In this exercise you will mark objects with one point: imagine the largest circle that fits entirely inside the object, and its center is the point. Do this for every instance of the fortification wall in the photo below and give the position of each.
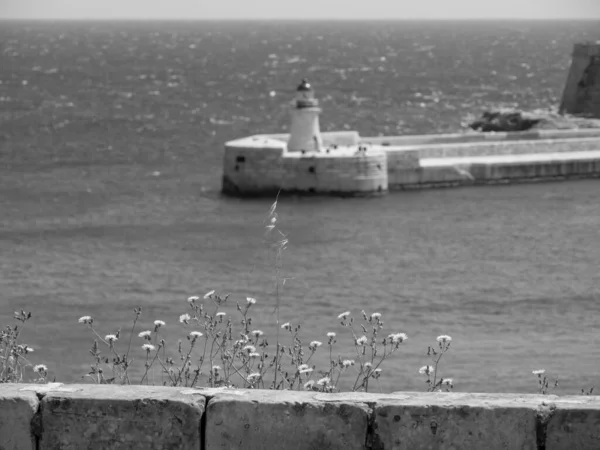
(582, 89)
(79, 417)
(261, 166)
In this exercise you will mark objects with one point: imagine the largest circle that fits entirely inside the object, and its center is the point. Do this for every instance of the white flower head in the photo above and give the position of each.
(185, 318)
(159, 323)
(377, 371)
(376, 316)
(250, 301)
(363, 340)
(287, 326)
(444, 340)
(331, 334)
(249, 348)
(41, 369)
(347, 363)
(426, 370)
(397, 338)
(216, 368)
(86, 319)
(110, 338)
(324, 381)
(148, 347)
(256, 333)
(368, 365)
(344, 315)
(254, 355)
(539, 372)
(221, 314)
(193, 298)
(196, 334)
(448, 381)
(209, 294)
(314, 344)
(145, 334)
(28, 349)
(254, 377)
(309, 385)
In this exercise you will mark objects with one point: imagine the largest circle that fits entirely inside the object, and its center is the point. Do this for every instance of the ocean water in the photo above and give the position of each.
(111, 138)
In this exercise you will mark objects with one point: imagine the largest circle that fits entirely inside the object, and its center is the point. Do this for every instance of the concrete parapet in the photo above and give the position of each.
(120, 417)
(17, 412)
(285, 420)
(144, 417)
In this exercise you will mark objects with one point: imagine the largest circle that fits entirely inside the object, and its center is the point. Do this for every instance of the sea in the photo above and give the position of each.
(111, 146)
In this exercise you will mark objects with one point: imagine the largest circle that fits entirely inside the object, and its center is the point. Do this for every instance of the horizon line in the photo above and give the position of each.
(290, 19)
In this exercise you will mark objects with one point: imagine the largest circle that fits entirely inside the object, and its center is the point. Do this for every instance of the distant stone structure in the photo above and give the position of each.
(582, 91)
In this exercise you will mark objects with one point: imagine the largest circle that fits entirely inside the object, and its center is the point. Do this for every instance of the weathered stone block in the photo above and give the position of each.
(17, 410)
(285, 420)
(121, 417)
(455, 421)
(574, 424)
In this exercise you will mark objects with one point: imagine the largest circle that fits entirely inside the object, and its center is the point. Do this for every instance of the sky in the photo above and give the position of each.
(300, 9)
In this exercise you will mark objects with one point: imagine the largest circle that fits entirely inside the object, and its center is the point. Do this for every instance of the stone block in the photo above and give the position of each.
(574, 424)
(455, 421)
(121, 417)
(285, 420)
(17, 411)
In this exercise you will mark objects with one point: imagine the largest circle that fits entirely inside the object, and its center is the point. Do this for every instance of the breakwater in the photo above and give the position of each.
(355, 165)
(57, 416)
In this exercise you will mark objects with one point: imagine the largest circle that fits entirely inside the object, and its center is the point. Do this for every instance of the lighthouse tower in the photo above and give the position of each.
(305, 134)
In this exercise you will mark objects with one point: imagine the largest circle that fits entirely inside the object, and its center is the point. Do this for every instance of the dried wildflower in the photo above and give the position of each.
(444, 340)
(397, 338)
(287, 326)
(86, 319)
(250, 300)
(145, 334)
(209, 294)
(110, 338)
(256, 333)
(539, 372)
(448, 381)
(344, 315)
(309, 385)
(303, 366)
(426, 370)
(363, 340)
(193, 299)
(159, 323)
(220, 314)
(249, 348)
(196, 334)
(185, 318)
(40, 369)
(216, 368)
(254, 355)
(28, 350)
(347, 363)
(314, 344)
(324, 381)
(368, 365)
(148, 347)
(254, 376)
(331, 334)
(377, 371)
(376, 316)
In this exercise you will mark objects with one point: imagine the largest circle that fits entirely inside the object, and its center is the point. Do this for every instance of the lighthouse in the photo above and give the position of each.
(305, 134)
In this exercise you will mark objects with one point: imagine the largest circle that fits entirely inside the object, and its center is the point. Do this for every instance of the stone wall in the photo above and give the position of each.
(582, 89)
(260, 165)
(55, 416)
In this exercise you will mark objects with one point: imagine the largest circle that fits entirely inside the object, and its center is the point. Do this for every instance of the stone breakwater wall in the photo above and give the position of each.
(58, 416)
(354, 165)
